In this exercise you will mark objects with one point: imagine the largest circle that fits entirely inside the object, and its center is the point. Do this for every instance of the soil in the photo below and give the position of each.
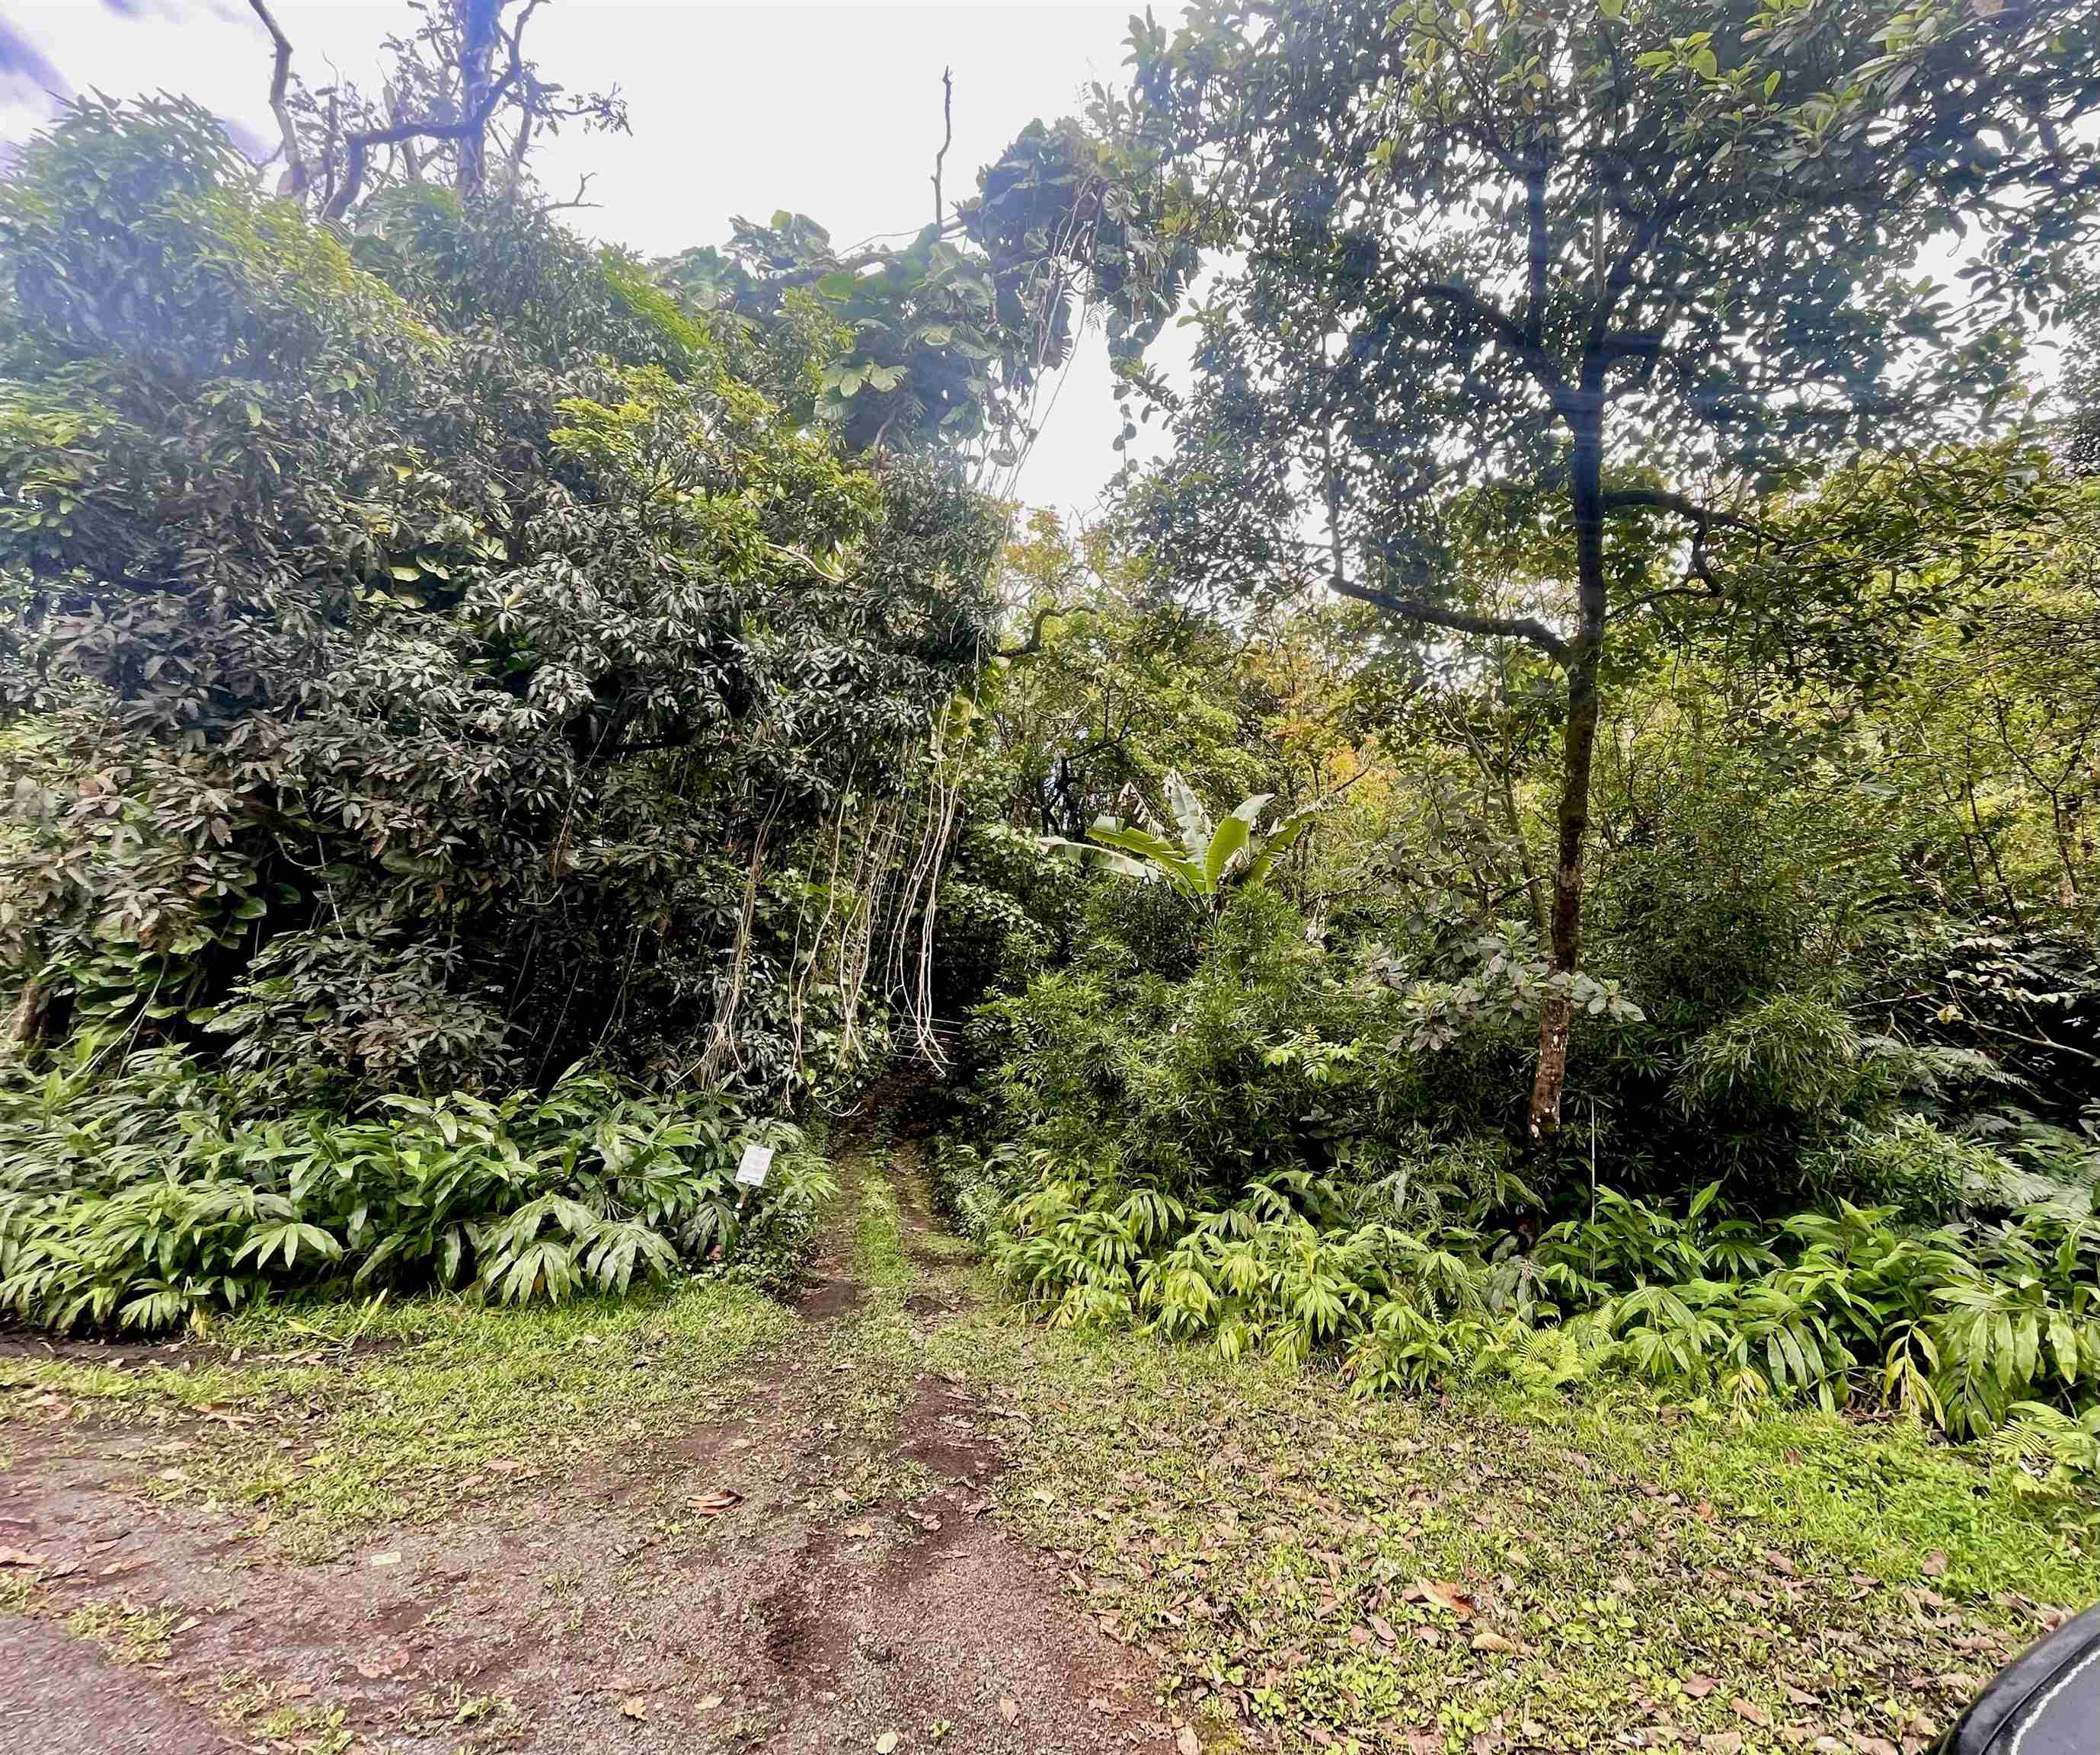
(599, 1612)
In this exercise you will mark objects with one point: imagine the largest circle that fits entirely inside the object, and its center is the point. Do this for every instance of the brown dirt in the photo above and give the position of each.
(599, 1613)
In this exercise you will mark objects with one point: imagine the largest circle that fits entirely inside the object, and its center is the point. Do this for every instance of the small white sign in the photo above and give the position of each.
(758, 1160)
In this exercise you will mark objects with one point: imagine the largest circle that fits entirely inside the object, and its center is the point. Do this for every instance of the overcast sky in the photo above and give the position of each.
(831, 109)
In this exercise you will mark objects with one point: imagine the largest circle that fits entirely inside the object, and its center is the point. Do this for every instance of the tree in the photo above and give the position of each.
(459, 107)
(430, 657)
(1610, 272)
(954, 336)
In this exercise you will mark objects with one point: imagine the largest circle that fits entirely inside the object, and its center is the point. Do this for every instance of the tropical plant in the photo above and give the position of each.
(1515, 296)
(145, 1197)
(1207, 861)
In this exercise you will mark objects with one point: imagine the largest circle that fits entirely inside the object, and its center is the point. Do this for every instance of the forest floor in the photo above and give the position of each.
(896, 1516)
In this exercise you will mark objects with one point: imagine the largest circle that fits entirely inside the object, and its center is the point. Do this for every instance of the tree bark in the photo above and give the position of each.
(476, 60)
(1578, 751)
(25, 1023)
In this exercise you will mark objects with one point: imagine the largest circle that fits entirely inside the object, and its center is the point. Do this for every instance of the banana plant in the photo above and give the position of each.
(1209, 861)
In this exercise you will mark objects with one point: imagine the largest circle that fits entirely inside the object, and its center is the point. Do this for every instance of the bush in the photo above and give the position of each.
(1909, 1165)
(1972, 1328)
(414, 646)
(144, 1199)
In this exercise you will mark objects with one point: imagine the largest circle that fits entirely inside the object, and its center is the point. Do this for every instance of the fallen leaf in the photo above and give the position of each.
(1009, 1709)
(21, 1557)
(1444, 1596)
(1188, 1742)
(392, 1558)
(721, 1499)
(1384, 1628)
(1934, 1564)
(503, 1466)
(1491, 1642)
(634, 1707)
(1743, 1708)
(1698, 1686)
(1722, 1743)
(886, 1744)
(708, 1703)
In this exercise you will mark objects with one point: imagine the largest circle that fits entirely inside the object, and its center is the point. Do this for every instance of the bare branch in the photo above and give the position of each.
(1459, 621)
(360, 145)
(948, 140)
(583, 183)
(293, 182)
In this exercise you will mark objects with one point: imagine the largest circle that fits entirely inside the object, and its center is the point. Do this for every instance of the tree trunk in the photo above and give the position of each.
(1578, 752)
(477, 58)
(26, 1023)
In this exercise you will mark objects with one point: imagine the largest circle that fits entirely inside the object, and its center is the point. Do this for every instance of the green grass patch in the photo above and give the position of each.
(1555, 1571)
(880, 1262)
(335, 1415)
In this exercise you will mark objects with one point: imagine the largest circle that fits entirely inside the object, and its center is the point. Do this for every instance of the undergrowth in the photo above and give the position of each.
(1984, 1330)
(146, 1198)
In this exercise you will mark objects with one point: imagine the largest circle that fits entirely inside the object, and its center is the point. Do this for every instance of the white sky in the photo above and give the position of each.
(833, 110)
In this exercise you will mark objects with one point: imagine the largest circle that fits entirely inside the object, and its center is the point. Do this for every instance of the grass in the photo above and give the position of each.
(332, 1417)
(1556, 1574)
(129, 1633)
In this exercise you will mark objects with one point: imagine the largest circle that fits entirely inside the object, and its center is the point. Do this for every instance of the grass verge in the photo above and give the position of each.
(1478, 1572)
(329, 1417)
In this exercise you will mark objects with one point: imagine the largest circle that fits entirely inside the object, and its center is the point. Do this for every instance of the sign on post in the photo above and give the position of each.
(757, 1161)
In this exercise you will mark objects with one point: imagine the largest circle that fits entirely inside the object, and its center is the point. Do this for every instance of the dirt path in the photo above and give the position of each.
(818, 1573)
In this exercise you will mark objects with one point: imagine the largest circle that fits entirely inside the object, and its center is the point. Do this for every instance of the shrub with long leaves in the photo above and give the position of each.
(140, 1200)
(1979, 1329)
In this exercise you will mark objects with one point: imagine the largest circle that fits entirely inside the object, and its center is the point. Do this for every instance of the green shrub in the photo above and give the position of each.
(141, 1199)
(1972, 1329)
(1911, 1164)
(1790, 1053)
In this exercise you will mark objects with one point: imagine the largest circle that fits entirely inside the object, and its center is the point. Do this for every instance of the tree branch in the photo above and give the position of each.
(1539, 244)
(1508, 332)
(360, 145)
(948, 140)
(583, 183)
(1661, 499)
(1459, 621)
(293, 182)
(1034, 643)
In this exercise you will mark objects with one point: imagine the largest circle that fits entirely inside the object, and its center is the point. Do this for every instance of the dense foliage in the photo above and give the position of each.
(1551, 834)
(433, 659)
(421, 650)
(143, 1199)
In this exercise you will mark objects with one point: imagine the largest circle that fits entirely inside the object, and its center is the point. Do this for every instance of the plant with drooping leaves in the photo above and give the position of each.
(1207, 861)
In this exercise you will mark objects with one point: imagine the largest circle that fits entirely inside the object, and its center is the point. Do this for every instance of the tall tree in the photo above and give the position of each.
(1612, 269)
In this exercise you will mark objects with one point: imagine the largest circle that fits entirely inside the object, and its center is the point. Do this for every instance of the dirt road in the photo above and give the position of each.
(822, 1570)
